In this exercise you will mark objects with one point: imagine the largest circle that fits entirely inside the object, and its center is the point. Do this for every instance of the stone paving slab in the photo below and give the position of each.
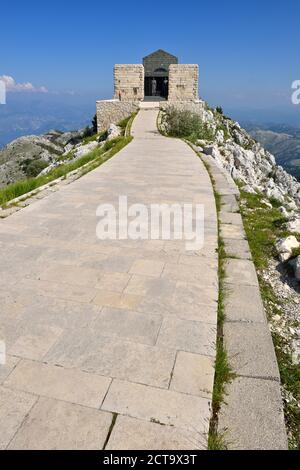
(161, 406)
(243, 304)
(135, 434)
(250, 350)
(78, 312)
(235, 232)
(257, 422)
(113, 357)
(181, 335)
(57, 425)
(46, 380)
(230, 218)
(193, 374)
(235, 248)
(14, 407)
(241, 272)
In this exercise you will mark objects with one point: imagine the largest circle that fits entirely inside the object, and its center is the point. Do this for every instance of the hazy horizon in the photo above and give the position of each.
(247, 56)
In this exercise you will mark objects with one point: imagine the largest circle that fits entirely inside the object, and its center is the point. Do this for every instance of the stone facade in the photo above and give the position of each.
(113, 111)
(129, 82)
(174, 83)
(183, 82)
(157, 64)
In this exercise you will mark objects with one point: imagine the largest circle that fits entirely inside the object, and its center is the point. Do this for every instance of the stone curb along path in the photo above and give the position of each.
(110, 343)
(252, 417)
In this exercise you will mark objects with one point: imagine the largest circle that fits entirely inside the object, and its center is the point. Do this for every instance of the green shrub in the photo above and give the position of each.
(88, 132)
(109, 144)
(33, 168)
(187, 124)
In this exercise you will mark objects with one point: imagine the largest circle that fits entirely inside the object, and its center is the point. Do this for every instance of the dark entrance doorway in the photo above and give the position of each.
(156, 66)
(157, 86)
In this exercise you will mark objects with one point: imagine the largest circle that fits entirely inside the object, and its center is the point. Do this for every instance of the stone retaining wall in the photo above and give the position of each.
(195, 106)
(113, 111)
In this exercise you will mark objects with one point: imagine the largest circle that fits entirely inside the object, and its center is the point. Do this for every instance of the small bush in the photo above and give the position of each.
(33, 168)
(187, 124)
(88, 132)
(219, 110)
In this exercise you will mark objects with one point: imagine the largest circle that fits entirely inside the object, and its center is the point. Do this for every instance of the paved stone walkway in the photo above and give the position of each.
(109, 343)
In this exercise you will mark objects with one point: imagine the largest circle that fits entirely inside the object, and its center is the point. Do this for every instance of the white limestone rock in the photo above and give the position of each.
(113, 131)
(285, 247)
(275, 193)
(85, 149)
(68, 148)
(49, 168)
(249, 189)
(293, 224)
(219, 137)
(284, 212)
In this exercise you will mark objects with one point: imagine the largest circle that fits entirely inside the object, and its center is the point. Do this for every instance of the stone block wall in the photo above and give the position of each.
(113, 111)
(195, 106)
(183, 82)
(129, 82)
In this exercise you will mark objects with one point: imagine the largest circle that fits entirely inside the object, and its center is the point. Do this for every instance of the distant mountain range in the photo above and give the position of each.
(282, 141)
(26, 114)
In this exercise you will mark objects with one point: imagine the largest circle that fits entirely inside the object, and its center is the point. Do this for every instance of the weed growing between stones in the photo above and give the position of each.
(223, 372)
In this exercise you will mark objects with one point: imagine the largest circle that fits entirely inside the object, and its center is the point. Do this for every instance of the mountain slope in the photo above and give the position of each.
(283, 142)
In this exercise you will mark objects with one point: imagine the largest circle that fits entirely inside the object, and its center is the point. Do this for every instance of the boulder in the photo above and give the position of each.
(219, 137)
(68, 148)
(285, 247)
(113, 131)
(293, 225)
(291, 205)
(85, 149)
(70, 137)
(283, 211)
(49, 168)
(296, 265)
(275, 193)
(249, 189)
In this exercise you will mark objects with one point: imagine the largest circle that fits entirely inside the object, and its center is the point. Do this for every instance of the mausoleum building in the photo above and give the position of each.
(159, 78)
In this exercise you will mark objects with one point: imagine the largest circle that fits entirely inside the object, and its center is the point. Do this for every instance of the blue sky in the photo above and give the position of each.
(248, 51)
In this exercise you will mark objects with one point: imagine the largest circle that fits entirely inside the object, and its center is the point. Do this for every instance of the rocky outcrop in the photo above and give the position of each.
(244, 158)
(248, 163)
(17, 157)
